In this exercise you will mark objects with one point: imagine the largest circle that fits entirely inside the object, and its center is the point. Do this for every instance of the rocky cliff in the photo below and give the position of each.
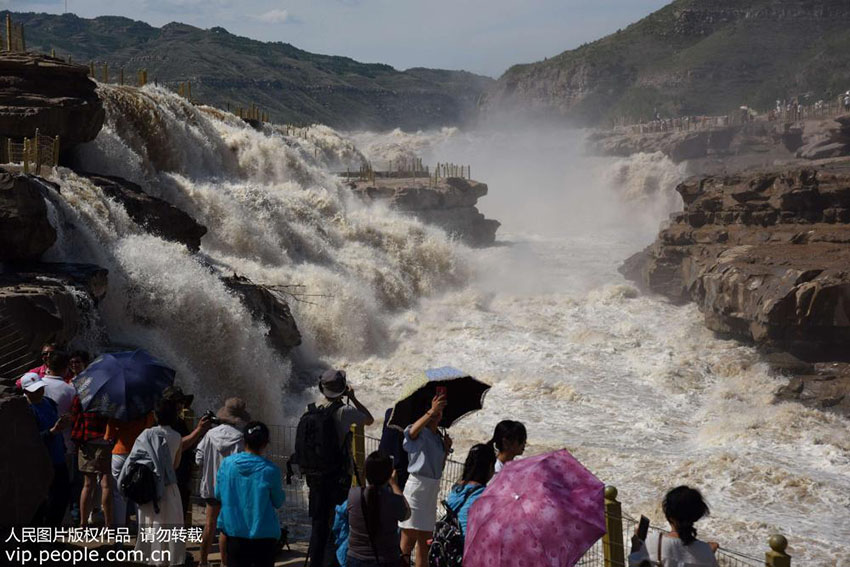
(46, 94)
(450, 204)
(764, 255)
(690, 57)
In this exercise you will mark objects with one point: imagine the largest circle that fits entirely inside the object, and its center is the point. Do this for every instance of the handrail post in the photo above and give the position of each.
(777, 557)
(612, 541)
(56, 150)
(8, 32)
(35, 153)
(26, 155)
(358, 450)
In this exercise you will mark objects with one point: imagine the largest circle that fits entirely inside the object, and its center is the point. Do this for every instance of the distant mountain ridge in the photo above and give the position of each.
(291, 84)
(690, 57)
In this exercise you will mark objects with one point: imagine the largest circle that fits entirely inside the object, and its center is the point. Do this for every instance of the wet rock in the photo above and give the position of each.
(158, 216)
(57, 98)
(270, 307)
(24, 463)
(450, 205)
(25, 231)
(827, 387)
(42, 303)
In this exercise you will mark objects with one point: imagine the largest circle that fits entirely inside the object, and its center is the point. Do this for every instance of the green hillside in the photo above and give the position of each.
(691, 57)
(291, 84)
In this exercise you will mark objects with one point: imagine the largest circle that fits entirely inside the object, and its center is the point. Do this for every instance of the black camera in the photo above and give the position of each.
(213, 419)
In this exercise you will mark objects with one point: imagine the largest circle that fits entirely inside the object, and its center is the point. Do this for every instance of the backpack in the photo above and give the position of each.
(139, 485)
(317, 443)
(447, 545)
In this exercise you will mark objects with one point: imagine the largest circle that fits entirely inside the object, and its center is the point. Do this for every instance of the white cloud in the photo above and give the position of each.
(276, 16)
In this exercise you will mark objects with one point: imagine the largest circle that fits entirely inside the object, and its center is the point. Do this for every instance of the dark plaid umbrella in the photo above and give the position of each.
(464, 395)
(123, 385)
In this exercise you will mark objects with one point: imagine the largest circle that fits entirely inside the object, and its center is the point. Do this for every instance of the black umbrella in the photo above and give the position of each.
(464, 395)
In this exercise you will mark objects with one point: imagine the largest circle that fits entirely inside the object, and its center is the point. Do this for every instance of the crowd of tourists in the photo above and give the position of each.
(142, 470)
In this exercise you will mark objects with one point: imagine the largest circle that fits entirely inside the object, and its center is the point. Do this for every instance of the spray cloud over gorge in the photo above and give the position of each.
(636, 387)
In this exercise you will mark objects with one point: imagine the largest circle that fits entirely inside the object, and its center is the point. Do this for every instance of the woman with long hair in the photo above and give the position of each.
(683, 507)
(477, 472)
(509, 441)
(373, 516)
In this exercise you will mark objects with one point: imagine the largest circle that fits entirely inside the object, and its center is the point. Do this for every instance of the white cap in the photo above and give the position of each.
(31, 382)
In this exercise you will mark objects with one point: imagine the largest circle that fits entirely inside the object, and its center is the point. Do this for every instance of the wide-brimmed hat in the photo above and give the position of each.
(175, 393)
(333, 383)
(234, 412)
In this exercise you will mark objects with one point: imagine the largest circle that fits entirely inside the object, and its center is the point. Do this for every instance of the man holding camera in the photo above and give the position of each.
(329, 486)
(224, 439)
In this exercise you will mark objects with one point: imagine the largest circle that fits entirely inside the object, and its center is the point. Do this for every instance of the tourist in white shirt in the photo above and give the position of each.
(683, 507)
(57, 389)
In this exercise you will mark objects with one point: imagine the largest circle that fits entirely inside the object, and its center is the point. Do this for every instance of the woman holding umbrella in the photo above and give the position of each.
(427, 450)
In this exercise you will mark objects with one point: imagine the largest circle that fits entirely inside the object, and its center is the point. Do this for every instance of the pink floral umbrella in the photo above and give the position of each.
(544, 511)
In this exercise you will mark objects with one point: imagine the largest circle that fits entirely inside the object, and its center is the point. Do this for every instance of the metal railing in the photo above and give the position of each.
(610, 551)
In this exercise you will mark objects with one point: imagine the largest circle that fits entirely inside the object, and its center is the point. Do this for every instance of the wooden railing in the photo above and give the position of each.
(31, 153)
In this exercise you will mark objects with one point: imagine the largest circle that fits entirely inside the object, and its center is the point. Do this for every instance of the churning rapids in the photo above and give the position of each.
(635, 387)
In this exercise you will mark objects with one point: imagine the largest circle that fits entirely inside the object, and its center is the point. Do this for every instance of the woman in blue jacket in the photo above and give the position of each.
(250, 489)
(477, 472)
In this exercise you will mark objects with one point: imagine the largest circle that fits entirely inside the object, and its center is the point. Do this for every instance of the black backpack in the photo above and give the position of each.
(317, 443)
(139, 485)
(447, 545)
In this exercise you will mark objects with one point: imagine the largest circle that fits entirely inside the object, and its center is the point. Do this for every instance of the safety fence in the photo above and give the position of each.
(786, 112)
(610, 551)
(412, 169)
(30, 153)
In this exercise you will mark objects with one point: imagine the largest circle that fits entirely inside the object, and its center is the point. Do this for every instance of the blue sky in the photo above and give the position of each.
(483, 36)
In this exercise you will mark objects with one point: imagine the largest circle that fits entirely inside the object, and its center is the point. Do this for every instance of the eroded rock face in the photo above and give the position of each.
(765, 256)
(678, 146)
(158, 216)
(24, 463)
(450, 205)
(830, 141)
(270, 308)
(38, 304)
(57, 98)
(25, 231)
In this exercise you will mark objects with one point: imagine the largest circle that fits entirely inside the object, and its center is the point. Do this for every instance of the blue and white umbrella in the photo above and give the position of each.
(123, 385)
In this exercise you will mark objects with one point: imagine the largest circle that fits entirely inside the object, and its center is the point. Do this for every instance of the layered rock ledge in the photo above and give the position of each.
(450, 204)
(765, 256)
(57, 98)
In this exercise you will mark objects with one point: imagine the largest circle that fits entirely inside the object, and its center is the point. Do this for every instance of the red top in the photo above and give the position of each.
(87, 425)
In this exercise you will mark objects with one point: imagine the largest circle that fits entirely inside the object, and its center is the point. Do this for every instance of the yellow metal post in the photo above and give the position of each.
(35, 154)
(358, 450)
(8, 32)
(612, 541)
(26, 155)
(53, 52)
(777, 557)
